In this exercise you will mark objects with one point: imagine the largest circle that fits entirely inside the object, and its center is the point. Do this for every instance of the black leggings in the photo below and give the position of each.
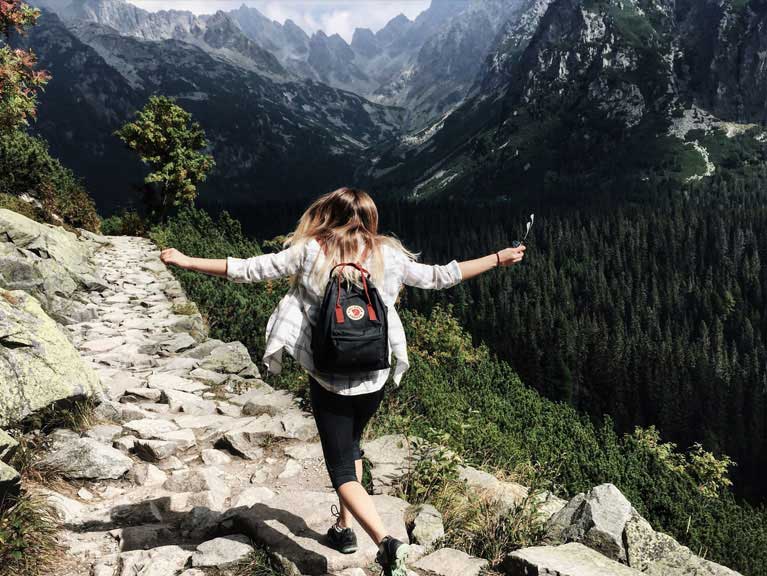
(340, 422)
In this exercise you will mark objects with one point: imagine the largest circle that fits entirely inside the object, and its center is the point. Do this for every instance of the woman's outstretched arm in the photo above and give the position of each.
(212, 266)
(505, 257)
(254, 269)
(436, 277)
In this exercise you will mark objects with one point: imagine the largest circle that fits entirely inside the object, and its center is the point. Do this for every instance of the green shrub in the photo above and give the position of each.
(26, 167)
(127, 223)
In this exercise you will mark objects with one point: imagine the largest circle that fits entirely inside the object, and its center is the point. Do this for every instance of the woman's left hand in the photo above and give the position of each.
(173, 256)
(511, 256)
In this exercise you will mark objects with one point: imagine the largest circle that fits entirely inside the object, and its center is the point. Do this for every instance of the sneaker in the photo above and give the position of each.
(392, 555)
(342, 539)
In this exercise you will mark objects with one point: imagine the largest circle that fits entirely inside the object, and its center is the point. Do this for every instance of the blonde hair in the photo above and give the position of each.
(345, 223)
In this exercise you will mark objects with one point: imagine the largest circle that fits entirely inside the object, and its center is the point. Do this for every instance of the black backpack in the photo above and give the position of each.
(351, 334)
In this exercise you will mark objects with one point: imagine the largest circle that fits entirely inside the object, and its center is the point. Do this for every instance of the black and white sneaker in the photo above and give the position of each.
(342, 539)
(392, 555)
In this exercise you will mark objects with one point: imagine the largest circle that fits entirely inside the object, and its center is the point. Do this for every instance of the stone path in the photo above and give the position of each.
(195, 446)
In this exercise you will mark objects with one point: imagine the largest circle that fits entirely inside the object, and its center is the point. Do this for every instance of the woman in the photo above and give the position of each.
(342, 226)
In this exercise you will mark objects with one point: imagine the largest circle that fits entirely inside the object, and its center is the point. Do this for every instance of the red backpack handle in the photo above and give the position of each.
(365, 274)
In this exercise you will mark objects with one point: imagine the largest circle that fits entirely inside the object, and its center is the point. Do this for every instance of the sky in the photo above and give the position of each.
(330, 16)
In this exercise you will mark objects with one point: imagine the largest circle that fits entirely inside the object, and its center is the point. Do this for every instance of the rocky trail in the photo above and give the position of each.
(192, 459)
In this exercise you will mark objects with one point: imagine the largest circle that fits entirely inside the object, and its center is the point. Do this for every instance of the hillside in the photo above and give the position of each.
(191, 459)
(257, 125)
(592, 93)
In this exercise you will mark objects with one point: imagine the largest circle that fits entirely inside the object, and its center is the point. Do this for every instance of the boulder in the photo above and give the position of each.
(657, 554)
(424, 524)
(87, 458)
(10, 481)
(222, 552)
(7, 446)
(48, 262)
(38, 364)
(572, 559)
(596, 519)
(390, 457)
(271, 403)
(231, 358)
(451, 562)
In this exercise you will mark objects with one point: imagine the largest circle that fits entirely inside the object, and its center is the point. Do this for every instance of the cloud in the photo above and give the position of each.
(331, 16)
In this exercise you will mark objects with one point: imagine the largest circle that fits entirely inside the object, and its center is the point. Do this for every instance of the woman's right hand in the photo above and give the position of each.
(173, 256)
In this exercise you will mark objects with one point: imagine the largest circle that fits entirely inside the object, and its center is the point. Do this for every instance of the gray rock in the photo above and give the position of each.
(272, 403)
(149, 428)
(292, 469)
(66, 509)
(231, 358)
(141, 395)
(147, 475)
(221, 552)
(252, 496)
(159, 561)
(87, 458)
(125, 443)
(572, 559)
(451, 562)
(390, 457)
(187, 403)
(197, 480)
(40, 365)
(187, 501)
(179, 342)
(508, 494)
(596, 520)
(201, 351)
(10, 481)
(155, 450)
(104, 432)
(425, 524)
(305, 451)
(657, 554)
(216, 422)
(208, 376)
(166, 381)
(213, 457)
(295, 424)
(257, 389)
(7, 446)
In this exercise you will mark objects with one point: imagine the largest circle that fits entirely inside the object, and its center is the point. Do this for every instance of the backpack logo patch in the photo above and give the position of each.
(355, 312)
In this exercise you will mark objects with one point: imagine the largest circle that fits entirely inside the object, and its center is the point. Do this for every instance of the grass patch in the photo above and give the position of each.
(475, 521)
(28, 545)
(185, 309)
(76, 414)
(259, 563)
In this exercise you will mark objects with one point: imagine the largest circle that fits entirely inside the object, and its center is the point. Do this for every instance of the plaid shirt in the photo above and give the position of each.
(289, 327)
